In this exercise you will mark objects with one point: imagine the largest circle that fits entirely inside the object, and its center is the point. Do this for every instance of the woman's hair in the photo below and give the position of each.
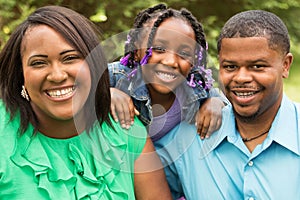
(157, 15)
(82, 35)
(257, 23)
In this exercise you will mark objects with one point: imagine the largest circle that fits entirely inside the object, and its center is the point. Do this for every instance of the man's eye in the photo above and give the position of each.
(258, 67)
(230, 67)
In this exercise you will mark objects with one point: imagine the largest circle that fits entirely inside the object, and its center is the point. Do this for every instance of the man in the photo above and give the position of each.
(256, 152)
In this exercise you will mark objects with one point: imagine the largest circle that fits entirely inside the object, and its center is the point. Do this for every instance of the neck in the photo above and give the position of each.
(255, 131)
(161, 103)
(61, 129)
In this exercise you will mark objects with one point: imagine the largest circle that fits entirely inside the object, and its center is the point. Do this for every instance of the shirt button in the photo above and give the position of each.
(251, 198)
(250, 163)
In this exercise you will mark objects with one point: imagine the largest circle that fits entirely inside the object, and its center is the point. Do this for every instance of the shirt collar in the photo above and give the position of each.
(286, 128)
(227, 129)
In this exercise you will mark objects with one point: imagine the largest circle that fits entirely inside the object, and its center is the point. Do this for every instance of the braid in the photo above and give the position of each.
(169, 13)
(140, 20)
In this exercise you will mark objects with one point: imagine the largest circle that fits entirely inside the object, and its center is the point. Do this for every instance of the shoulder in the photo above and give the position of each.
(117, 67)
(134, 137)
(178, 140)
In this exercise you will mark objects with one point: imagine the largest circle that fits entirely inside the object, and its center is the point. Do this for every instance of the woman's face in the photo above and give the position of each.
(56, 75)
(172, 56)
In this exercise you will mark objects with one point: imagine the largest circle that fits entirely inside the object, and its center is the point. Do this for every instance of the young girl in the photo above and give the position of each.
(163, 71)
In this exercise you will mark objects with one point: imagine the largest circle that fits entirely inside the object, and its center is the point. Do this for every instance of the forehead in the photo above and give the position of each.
(176, 30)
(250, 47)
(40, 36)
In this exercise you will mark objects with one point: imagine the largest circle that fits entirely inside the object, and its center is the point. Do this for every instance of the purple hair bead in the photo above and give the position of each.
(146, 57)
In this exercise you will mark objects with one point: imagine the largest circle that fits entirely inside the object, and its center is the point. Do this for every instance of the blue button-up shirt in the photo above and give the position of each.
(222, 167)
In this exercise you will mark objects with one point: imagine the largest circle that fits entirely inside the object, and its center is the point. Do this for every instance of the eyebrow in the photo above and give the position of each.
(251, 61)
(45, 56)
(67, 51)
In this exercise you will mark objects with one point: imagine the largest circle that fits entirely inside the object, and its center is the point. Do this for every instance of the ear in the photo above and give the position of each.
(287, 62)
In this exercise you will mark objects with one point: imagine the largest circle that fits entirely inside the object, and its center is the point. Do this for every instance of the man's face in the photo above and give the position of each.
(252, 75)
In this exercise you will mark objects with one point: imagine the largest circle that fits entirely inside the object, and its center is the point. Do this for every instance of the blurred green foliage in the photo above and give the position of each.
(116, 16)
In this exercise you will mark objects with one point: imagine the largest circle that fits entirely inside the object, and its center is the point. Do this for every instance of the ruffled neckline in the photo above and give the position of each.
(97, 157)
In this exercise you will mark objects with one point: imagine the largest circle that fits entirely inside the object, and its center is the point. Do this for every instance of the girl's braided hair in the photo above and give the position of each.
(199, 75)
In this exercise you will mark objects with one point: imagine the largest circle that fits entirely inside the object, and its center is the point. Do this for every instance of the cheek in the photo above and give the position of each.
(185, 68)
(224, 78)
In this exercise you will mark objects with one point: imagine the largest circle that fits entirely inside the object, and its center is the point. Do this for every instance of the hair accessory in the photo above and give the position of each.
(124, 60)
(24, 93)
(132, 74)
(146, 57)
(199, 75)
(191, 82)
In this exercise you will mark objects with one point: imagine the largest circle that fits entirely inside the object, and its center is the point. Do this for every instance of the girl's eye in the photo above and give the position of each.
(159, 49)
(185, 54)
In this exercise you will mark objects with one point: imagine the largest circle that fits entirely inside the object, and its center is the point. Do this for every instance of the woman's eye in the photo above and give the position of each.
(71, 58)
(38, 63)
(159, 49)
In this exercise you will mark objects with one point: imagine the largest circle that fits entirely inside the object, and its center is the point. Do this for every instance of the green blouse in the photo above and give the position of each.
(97, 165)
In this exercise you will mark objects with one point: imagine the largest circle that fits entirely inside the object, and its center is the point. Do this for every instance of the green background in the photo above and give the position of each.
(116, 16)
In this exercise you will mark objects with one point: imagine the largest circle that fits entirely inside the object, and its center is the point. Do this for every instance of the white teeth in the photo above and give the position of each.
(244, 94)
(166, 76)
(61, 93)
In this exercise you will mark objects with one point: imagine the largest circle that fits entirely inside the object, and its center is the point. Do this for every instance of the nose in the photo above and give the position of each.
(57, 74)
(242, 76)
(170, 58)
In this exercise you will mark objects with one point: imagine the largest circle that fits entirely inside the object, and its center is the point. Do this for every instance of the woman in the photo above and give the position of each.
(57, 138)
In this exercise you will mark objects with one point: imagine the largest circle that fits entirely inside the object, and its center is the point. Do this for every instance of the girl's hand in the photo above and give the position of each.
(209, 117)
(122, 108)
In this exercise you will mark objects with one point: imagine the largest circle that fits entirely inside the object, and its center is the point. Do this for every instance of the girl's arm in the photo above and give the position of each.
(209, 116)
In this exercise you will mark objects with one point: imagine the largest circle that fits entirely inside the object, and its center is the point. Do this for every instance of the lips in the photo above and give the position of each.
(61, 93)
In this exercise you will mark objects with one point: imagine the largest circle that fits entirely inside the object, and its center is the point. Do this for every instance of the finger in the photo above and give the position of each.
(211, 129)
(204, 128)
(113, 113)
(131, 111)
(136, 112)
(121, 115)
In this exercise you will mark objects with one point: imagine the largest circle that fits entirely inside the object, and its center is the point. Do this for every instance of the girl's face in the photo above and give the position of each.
(54, 75)
(172, 56)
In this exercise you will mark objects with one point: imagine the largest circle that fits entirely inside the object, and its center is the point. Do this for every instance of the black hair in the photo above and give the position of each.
(80, 33)
(257, 23)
